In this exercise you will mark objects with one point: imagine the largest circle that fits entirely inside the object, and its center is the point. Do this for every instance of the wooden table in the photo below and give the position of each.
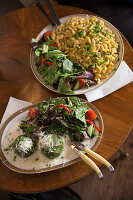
(17, 80)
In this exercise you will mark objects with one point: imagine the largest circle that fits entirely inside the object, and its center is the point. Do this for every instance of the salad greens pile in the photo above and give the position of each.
(60, 116)
(57, 70)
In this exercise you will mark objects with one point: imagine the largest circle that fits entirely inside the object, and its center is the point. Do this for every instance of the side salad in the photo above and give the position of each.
(57, 70)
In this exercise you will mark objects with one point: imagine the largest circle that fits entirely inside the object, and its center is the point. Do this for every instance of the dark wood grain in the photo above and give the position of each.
(17, 80)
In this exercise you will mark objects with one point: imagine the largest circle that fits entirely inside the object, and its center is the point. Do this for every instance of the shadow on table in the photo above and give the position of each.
(61, 194)
(119, 13)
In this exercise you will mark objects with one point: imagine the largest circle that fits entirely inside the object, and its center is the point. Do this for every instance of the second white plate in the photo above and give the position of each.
(79, 91)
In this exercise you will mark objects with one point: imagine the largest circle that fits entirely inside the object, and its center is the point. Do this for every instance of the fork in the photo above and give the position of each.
(79, 148)
(88, 161)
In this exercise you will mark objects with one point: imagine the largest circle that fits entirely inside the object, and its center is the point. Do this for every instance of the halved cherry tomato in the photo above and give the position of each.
(47, 35)
(90, 114)
(82, 82)
(32, 113)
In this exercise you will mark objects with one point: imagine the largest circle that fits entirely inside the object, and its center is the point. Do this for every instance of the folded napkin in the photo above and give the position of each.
(122, 77)
(13, 106)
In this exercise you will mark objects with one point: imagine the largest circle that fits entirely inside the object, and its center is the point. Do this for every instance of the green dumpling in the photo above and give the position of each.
(53, 146)
(24, 146)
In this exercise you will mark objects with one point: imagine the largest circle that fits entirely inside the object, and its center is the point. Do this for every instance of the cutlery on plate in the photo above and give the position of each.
(88, 161)
(79, 148)
(91, 153)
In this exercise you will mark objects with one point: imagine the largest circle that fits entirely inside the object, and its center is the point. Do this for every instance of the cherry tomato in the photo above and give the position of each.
(90, 115)
(82, 82)
(47, 34)
(32, 113)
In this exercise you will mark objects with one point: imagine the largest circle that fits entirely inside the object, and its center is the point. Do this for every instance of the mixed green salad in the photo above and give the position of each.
(57, 70)
(61, 116)
(55, 118)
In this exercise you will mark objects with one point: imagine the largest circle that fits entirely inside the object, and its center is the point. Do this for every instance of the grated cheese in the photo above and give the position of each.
(25, 145)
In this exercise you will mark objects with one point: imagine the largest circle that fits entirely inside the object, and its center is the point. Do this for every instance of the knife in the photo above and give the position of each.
(91, 153)
(88, 161)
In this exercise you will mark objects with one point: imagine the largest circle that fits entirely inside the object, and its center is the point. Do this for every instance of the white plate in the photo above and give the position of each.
(20, 115)
(79, 91)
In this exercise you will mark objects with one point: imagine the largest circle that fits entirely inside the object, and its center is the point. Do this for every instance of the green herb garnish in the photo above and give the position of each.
(114, 69)
(14, 159)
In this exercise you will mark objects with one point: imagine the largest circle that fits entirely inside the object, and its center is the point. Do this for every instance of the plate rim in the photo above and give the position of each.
(56, 167)
(86, 90)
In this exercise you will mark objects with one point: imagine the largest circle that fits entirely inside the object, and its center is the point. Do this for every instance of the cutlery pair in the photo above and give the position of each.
(56, 20)
(79, 149)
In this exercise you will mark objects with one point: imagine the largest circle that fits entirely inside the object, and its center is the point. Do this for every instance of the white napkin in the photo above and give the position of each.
(13, 106)
(122, 77)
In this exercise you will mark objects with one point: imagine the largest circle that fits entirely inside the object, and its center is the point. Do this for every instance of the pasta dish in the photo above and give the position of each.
(90, 43)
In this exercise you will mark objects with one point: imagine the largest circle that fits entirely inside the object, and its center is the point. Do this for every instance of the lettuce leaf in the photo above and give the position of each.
(67, 66)
(55, 54)
(49, 74)
(63, 86)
